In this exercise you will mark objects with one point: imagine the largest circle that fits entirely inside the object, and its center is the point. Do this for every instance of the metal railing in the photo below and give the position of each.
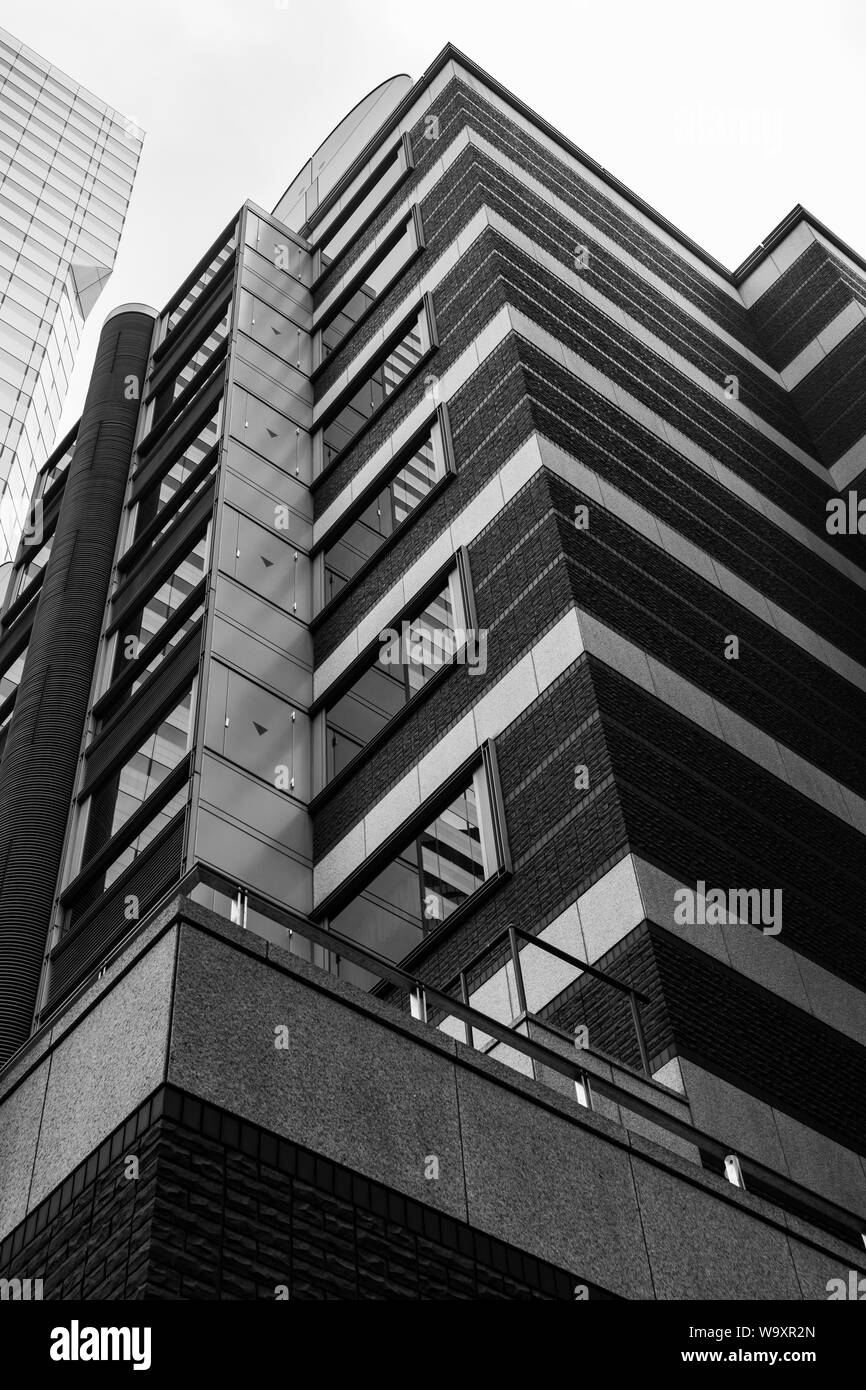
(515, 934)
(715, 1156)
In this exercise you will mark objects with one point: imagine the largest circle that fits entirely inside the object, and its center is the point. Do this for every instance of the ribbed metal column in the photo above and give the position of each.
(37, 774)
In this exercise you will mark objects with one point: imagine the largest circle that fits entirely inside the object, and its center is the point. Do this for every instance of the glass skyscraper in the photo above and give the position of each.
(67, 165)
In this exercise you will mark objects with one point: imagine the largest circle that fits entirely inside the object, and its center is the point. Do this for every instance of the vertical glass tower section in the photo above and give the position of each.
(67, 166)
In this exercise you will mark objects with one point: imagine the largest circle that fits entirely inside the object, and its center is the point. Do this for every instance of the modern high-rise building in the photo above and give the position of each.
(431, 812)
(67, 165)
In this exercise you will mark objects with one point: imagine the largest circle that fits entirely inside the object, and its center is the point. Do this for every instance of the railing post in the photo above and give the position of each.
(464, 995)
(518, 973)
(638, 1028)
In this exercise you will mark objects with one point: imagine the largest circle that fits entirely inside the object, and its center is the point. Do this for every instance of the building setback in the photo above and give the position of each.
(439, 706)
(67, 165)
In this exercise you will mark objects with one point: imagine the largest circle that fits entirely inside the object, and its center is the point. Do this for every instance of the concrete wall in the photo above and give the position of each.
(198, 1004)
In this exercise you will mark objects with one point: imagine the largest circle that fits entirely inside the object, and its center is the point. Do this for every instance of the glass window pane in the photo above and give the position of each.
(375, 388)
(120, 796)
(377, 276)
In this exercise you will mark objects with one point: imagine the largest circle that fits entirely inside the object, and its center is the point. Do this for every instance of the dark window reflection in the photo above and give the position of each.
(397, 499)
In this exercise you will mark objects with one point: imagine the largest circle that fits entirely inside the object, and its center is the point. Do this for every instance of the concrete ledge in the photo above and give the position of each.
(195, 1001)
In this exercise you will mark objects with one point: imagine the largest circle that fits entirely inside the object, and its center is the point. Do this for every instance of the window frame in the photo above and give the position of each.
(409, 220)
(81, 873)
(356, 883)
(324, 787)
(402, 152)
(423, 310)
(438, 426)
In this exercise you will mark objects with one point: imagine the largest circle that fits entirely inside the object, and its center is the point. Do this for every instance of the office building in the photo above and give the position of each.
(67, 166)
(439, 708)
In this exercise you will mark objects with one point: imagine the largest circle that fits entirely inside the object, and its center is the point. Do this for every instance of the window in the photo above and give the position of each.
(123, 792)
(424, 465)
(365, 202)
(435, 873)
(84, 899)
(168, 393)
(147, 622)
(406, 660)
(213, 269)
(28, 571)
(379, 382)
(10, 679)
(375, 276)
(160, 493)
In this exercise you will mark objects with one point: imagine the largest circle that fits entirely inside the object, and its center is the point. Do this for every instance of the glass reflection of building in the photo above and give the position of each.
(67, 165)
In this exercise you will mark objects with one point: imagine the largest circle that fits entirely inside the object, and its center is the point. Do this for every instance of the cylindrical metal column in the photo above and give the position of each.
(37, 774)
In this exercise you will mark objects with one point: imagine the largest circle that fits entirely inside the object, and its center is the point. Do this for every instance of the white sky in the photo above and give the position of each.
(722, 116)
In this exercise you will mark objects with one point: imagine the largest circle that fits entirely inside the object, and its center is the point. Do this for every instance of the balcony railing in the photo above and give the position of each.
(715, 1156)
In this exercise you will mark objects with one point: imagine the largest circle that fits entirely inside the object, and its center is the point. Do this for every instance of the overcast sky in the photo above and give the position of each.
(722, 116)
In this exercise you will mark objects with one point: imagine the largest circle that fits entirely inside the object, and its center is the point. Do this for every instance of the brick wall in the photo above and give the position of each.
(223, 1210)
(705, 1011)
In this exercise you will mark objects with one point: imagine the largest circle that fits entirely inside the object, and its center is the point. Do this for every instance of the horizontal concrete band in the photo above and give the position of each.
(508, 320)
(850, 465)
(468, 136)
(782, 258)
(634, 890)
(536, 453)
(352, 1060)
(822, 345)
(553, 654)
(606, 913)
(580, 284)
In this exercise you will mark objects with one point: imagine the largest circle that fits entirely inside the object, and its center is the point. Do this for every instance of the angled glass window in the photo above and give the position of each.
(425, 465)
(126, 855)
(378, 381)
(159, 494)
(365, 201)
(34, 566)
(374, 277)
(110, 806)
(169, 392)
(212, 270)
(405, 661)
(142, 627)
(9, 682)
(437, 871)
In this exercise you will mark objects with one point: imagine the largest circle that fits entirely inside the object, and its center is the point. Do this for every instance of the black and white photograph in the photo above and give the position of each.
(432, 676)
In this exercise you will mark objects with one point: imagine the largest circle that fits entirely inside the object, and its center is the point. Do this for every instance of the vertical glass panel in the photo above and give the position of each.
(145, 624)
(376, 276)
(154, 498)
(403, 664)
(120, 796)
(375, 388)
(363, 204)
(11, 678)
(396, 500)
(201, 284)
(169, 393)
(425, 883)
(452, 862)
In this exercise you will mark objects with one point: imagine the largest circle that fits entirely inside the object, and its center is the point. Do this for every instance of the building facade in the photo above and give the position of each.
(67, 166)
(438, 702)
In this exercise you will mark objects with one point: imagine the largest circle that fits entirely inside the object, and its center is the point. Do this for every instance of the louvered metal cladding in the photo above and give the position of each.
(154, 700)
(41, 754)
(81, 950)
